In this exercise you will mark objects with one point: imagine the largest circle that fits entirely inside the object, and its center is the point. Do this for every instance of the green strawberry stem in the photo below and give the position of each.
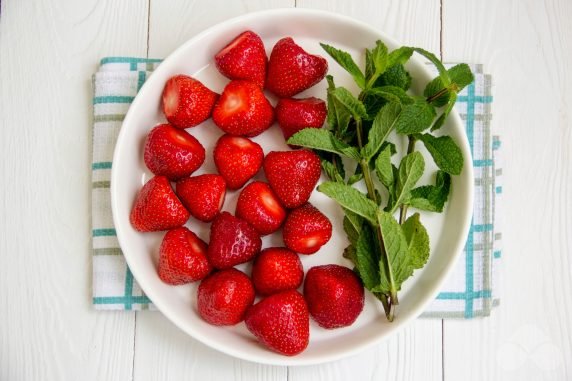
(389, 302)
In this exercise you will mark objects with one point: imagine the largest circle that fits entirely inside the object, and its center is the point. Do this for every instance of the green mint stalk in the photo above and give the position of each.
(384, 250)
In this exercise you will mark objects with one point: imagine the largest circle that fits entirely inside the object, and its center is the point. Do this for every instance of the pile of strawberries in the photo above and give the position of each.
(333, 294)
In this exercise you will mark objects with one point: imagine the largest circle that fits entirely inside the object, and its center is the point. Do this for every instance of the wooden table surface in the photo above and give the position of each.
(48, 328)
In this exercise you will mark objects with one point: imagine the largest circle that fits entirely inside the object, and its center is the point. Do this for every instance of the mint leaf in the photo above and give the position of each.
(350, 198)
(378, 62)
(445, 152)
(383, 168)
(395, 76)
(415, 118)
(391, 146)
(383, 124)
(438, 64)
(417, 241)
(351, 103)
(350, 253)
(433, 88)
(331, 171)
(323, 140)
(432, 197)
(338, 116)
(399, 56)
(355, 220)
(397, 251)
(367, 258)
(461, 75)
(346, 61)
(350, 230)
(410, 170)
(391, 94)
(369, 66)
(355, 178)
(441, 119)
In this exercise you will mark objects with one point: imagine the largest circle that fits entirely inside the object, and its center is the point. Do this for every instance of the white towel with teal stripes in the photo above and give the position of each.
(471, 290)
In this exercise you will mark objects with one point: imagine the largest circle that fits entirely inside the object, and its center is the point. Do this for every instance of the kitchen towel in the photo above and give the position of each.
(470, 291)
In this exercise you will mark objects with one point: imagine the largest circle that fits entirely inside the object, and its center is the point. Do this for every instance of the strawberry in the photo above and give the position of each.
(276, 269)
(182, 257)
(202, 195)
(258, 205)
(242, 109)
(156, 207)
(292, 70)
(243, 58)
(294, 115)
(186, 102)
(334, 295)
(224, 297)
(306, 229)
(232, 241)
(237, 159)
(292, 175)
(172, 152)
(281, 322)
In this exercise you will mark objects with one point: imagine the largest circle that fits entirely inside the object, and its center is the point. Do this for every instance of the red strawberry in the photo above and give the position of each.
(334, 295)
(232, 241)
(157, 207)
(243, 58)
(237, 159)
(172, 152)
(224, 297)
(186, 102)
(306, 229)
(258, 205)
(281, 322)
(202, 195)
(291, 69)
(242, 109)
(276, 269)
(294, 115)
(183, 257)
(292, 175)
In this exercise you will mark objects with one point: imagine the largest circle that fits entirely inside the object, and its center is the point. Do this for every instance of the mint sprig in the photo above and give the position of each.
(384, 249)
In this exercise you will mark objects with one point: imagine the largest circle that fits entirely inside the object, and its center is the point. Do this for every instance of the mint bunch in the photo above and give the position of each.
(384, 249)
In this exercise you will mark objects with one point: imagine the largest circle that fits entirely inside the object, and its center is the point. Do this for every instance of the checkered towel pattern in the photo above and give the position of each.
(470, 291)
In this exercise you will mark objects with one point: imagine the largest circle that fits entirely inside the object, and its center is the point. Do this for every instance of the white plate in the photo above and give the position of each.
(447, 231)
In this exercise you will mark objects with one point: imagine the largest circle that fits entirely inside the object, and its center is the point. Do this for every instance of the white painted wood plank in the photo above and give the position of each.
(162, 351)
(527, 46)
(415, 22)
(174, 22)
(48, 328)
(415, 353)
